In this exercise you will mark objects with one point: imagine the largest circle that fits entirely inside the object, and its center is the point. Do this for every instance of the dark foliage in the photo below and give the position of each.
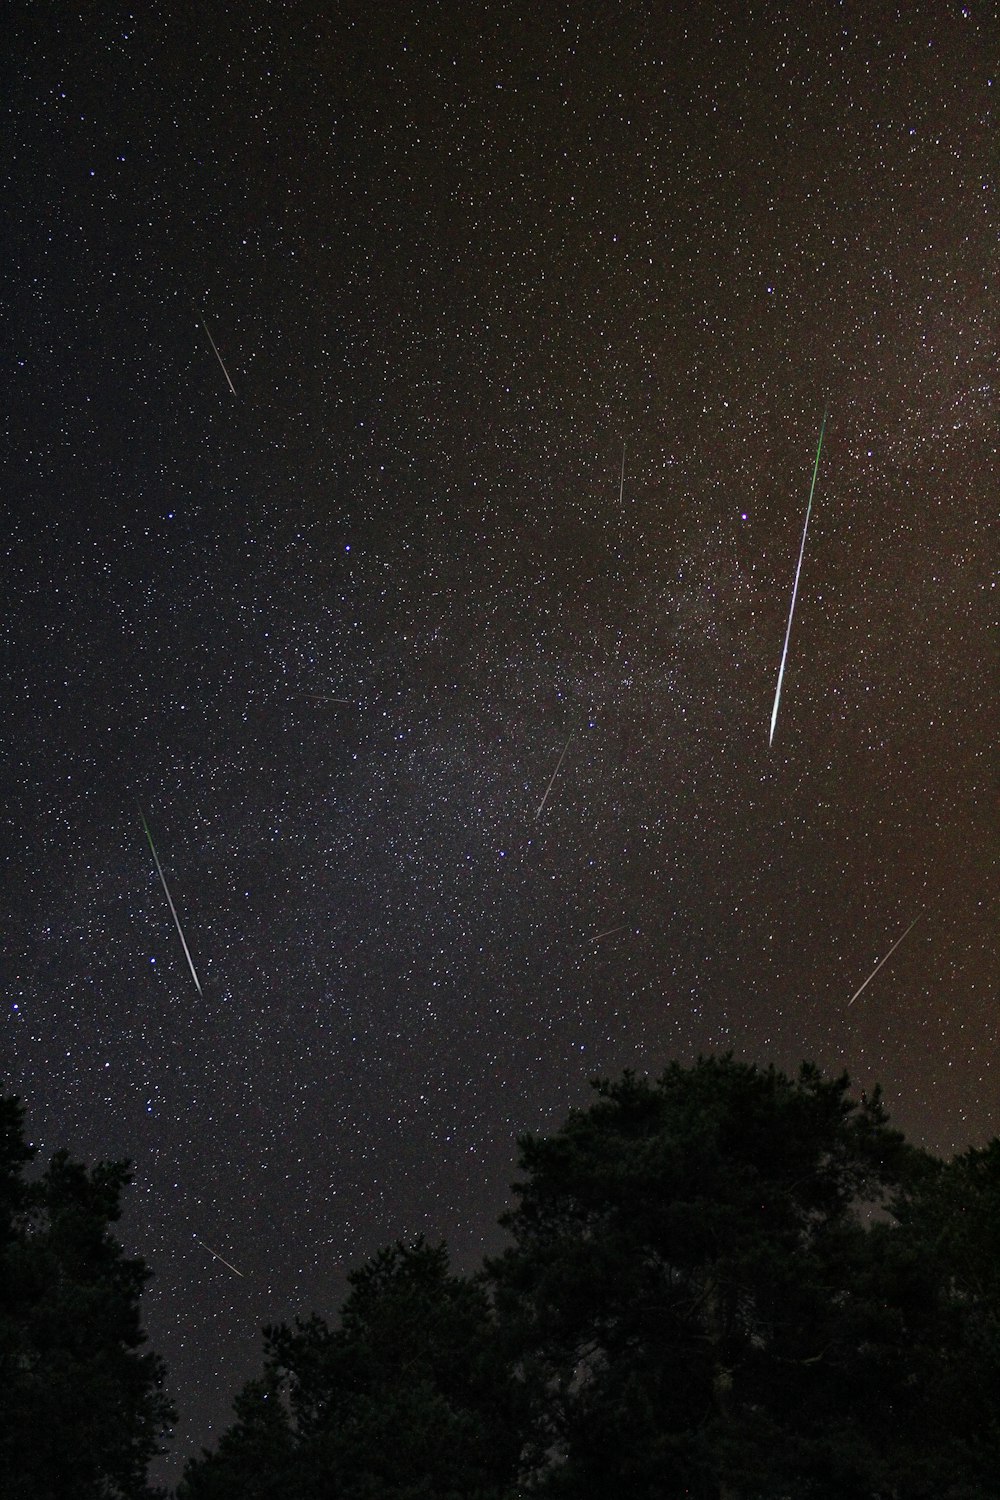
(690, 1289)
(82, 1409)
(727, 1284)
(406, 1400)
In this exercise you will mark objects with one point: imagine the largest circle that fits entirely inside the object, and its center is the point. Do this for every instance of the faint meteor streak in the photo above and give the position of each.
(225, 1262)
(173, 909)
(609, 932)
(621, 486)
(795, 589)
(555, 773)
(885, 960)
(217, 354)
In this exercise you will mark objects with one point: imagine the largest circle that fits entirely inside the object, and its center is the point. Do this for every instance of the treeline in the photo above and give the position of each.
(82, 1405)
(726, 1283)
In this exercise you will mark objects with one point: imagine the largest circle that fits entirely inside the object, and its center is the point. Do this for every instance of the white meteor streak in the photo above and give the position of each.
(215, 1253)
(555, 773)
(885, 960)
(173, 909)
(621, 487)
(217, 354)
(795, 589)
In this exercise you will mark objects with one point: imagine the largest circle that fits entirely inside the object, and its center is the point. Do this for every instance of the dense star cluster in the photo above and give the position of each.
(438, 651)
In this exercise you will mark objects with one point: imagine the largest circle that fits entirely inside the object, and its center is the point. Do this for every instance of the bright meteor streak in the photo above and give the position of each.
(217, 1256)
(217, 354)
(552, 779)
(885, 960)
(795, 589)
(173, 909)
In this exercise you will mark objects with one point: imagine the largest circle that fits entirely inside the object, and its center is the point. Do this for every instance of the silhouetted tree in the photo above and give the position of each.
(408, 1399)
(691, 1296)
(258, 1457)
(82, 1410)
(727, 1284)
(939, 1267)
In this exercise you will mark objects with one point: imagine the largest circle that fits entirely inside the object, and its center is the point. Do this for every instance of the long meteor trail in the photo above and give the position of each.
(228, 1264)
(217, 354)
(795, 588)
(173, 909)
(552, 779)
(885, 960)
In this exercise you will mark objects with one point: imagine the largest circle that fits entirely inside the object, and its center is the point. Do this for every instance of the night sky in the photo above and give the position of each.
(333, 633)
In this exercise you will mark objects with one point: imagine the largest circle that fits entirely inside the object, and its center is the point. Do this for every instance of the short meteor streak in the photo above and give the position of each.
(215, 1253)
(885, 960)
(173, 909)
(609, 932)
(621, 486)
(217, 354)
(795, 589)
(555, 773)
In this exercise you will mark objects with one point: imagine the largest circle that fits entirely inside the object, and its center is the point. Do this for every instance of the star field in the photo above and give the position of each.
(333, 633)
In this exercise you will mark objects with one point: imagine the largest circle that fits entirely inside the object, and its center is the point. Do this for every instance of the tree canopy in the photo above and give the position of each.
(690, 1286)
(408, 1399)
(82, 1408)
(724, 1283)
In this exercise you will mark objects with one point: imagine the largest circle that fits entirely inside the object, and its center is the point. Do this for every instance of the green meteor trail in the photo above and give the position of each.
(173, 909)
(795, 589)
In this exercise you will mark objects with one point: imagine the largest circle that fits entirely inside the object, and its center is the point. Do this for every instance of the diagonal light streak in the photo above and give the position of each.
(217, 354)
(173, 909)
(552, 779)
(609, 932)
(885, 960)
(229, 1266)
(795, 589)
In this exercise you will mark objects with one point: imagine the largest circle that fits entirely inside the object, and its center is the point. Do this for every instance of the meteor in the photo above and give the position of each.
(621, 487)
(609, 932)
(217, 1256)
(885, 960)
(795, 589)
(173, 909)
(217, 354)
(555, 773)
